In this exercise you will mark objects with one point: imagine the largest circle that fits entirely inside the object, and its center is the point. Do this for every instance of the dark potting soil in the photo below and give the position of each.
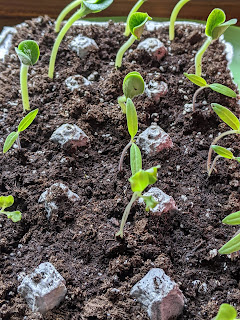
(80, 239)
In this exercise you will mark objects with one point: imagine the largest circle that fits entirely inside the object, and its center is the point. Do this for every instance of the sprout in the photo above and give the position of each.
(5, 202)
(28, 53)
(133, 85)
(136, 25)
(173, 17)
(226, 312)
(87, 6)
(232, 121)
(215, 27)
(13, 136)
(134, 9)
(199, 81)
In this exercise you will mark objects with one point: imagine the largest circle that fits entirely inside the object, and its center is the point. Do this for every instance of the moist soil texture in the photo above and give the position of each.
(79, 238)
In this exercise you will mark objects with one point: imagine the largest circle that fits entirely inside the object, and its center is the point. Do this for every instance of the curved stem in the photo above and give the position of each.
(134, 9)
(123, 154)
(121, 102)
(126, 213)
(77, 15)
(122, 50)
(215, 142)
(173, 17)
(195, 97)
(24, 87)
(198, 57)
(64, 12)
(213, 165)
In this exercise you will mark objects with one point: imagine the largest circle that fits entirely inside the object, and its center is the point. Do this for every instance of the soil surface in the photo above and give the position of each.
(79, 240)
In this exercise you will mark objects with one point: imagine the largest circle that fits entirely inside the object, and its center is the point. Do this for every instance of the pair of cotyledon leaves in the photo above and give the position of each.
(5, 202)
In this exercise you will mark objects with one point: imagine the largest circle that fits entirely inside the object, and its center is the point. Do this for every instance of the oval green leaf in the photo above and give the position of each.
(97, 5)
(199, 81)
(219, 30)
(226, 312)
(137, 22)
(215, 18)
(133, 85)
(27, 120)
(139, 181)
(6, 201)
(28, 52)
(223, 152)
(11, 138)
(132, 120)
(15, 216)
(135, 159)
(231, 246)
(232, 219)
(227, 116)
(223, 90)
(150, 202)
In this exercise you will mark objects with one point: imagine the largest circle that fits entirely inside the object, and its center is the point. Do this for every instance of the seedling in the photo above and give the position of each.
(215, 27)
(5, 202)
(231, 120)
(28, 53)
(133, 85)
(133, 10)
(72, 5)
(136, 25)
(173, 17)
(226, 312)
(232, 245)
(199, 81)
(13, 136)
(87, 6)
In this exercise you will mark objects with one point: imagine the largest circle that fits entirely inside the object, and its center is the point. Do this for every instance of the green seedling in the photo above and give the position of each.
(226, 312)
(215, 27)
(133, 85)
(28, 53)
(14, 136)
(199, 81)
(139, 181)
(5, 202)
(173, 17)
(71, 6)
(87, 6)
(133, 10)
(231, 120)
(136, 25)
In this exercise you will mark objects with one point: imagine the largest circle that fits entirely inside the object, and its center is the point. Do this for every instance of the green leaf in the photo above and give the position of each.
(226, 312)
(199, 81)
(15, 216)
(231, 246)
(27, 120)
(132, 120)
(137, 22)
(135, 159)
(215, 18)
(219, 30)
(152, 174)
(227, 116)
(223, 152)
(133, 84)
(238, 159)
(150, 202)
(232, 219)
(223, 90)
(140, 180)
(6, 201)
(97, 5)
(11, 138)
(28, 52)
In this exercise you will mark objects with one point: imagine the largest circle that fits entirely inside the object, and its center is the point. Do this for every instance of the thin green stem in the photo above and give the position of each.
(199, 55)
(134, 9)
(195, 97)
(24, 87)
(123, 154)
(77, 15)
(126, 213)
(122, 50)
(173, 18)
(213, 165)
(64, 12)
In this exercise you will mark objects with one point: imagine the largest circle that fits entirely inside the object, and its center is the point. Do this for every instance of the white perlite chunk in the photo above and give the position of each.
(6, 40)
(165, 202)
(49, 197)
(155, 90)
(154, 47)
(159, 295)
(76, 82)
(153, 140)
(43, 289)
(70, 133)
(83, 45)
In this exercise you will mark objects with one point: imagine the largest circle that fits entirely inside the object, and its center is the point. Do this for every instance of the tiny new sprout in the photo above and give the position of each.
(87, 6)
(173, 17)
(13, 136)
(133, 10)
(231, 120)
(226, 312)
(215, 27)
(5, 202)
(28, 53)
(133, 85)
(136, 25)
(199, 81)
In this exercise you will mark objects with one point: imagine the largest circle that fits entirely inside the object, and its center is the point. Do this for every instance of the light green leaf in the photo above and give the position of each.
(97, 5)
(232, 219)
(137, 22)
(150, 202)
(226, 312)
(15, 216)
(6, 201)
(223, 152)
(135, 159)
(199, 81)
(11, 138)
(227, 116)
(219, 30)
(152, 174)
(140, 180)
(28, 52)
(223, 90)
(231, 246)
(215, 18)
(132, 120)
(133, 84)
(238, 159)
(27, 120)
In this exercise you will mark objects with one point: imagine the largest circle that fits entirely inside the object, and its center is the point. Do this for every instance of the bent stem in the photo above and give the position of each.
(24, 87)
(173, 18)
(64, 12)
(122, 50)
(195, 97)
(213, 165)
(123, 154)
(126, 213)
(134, 9)
(199, 55)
